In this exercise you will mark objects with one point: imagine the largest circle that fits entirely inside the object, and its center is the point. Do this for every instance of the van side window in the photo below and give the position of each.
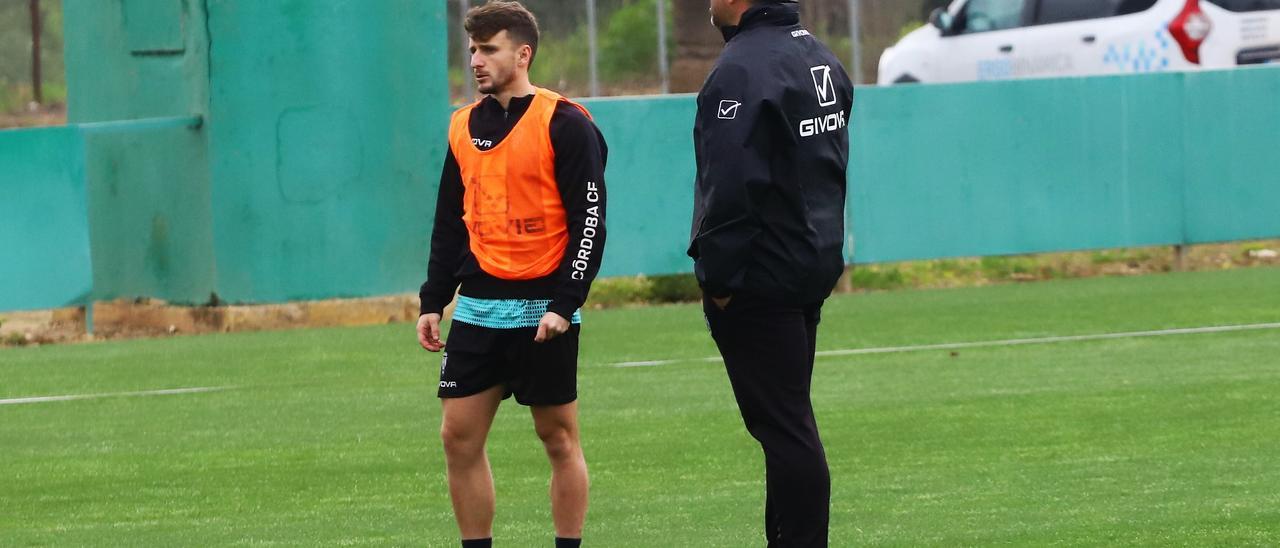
(1248, 5)
(1127, 7)
(989, 15)
(1062, 11)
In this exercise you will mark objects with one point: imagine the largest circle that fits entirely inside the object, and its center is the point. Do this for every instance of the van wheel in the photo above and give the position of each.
(907, 79)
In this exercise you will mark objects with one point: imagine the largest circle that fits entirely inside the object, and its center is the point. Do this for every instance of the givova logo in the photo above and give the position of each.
(823, 84)
(444, 361)
(822, 124)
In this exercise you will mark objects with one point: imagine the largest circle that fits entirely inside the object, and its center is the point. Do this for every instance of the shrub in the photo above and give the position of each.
(629, 42)
(674, 288)
(562, 63)
(877, 277)
(614, 292)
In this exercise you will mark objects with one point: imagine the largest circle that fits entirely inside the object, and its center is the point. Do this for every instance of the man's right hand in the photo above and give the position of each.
(429, 332)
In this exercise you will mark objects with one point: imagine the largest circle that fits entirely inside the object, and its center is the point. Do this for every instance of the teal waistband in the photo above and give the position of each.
(504, 313)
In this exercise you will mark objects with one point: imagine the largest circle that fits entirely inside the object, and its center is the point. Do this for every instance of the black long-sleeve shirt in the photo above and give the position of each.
(580, 157)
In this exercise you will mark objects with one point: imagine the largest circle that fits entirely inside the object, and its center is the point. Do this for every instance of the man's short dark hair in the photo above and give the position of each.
(496, 16)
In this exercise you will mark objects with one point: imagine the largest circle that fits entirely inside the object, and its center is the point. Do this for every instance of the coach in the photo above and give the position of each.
(768, 230)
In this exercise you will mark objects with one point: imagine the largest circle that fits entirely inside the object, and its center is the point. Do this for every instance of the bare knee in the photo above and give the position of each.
(561, 443)
(461, 443)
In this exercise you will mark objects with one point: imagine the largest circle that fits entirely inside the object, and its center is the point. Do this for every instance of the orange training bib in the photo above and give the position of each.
(511, 202)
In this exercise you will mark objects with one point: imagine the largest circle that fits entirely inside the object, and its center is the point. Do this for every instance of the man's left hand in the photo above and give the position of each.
(552, 325)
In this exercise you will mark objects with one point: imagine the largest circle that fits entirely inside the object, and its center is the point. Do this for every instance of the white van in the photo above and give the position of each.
(1001, 39)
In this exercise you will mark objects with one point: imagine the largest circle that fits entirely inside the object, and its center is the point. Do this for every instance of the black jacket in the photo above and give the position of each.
(772, 149)
(581, 154)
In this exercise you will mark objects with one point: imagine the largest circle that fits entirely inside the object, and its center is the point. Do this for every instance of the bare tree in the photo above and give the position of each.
(697, 45)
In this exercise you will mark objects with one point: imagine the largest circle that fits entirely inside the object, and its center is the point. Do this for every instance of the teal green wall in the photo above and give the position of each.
(327, 130)
(148, 180)
(1018, 167)
(1232, 155)
(131, 59)
(650, 180)
(149, 210)
(312, 166)
(44, 232)
(1049, 165)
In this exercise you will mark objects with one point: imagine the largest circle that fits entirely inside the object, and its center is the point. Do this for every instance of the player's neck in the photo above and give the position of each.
(519, 88)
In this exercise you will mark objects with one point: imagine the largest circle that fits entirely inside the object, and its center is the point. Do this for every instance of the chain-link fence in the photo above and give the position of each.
(587, 47)
(636, 47)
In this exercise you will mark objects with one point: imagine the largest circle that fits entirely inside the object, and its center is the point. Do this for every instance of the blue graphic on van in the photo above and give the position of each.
(995, 69)
(1141, 56)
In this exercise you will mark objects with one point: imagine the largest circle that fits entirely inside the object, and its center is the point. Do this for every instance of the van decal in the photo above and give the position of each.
(1141, 56)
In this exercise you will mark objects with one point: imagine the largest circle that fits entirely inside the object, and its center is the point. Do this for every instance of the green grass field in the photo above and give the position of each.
(328, 437)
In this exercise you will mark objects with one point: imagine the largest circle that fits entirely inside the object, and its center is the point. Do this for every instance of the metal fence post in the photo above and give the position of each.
(855, 37)
(468, 81)
(591, 43)
(664, 70)
(36, 77)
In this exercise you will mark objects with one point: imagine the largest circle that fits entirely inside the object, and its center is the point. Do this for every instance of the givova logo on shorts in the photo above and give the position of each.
(444, 362)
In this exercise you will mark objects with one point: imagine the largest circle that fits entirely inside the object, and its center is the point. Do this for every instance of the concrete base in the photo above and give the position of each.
(122, 319)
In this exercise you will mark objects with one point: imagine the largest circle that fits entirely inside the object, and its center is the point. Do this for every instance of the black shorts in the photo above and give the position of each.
(479, 358)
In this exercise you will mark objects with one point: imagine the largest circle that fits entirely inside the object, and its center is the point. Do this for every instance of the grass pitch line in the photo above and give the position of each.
(169, 392)
(998, 343)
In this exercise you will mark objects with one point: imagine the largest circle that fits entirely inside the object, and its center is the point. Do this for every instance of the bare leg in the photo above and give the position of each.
(464, 431)
(557, 427)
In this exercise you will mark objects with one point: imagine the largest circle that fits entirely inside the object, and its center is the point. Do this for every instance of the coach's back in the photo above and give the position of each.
(772, 151)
